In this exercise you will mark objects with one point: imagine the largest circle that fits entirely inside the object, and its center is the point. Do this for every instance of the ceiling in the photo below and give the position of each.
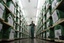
(31, 9)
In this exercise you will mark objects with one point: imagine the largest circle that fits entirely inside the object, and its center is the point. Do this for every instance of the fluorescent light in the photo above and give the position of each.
(39, 8)
(28, 0)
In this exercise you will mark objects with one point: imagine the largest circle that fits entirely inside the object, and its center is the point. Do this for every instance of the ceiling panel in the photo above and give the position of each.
(30, 9)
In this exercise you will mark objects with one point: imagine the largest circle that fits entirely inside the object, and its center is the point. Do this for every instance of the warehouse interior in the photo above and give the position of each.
(17, 15)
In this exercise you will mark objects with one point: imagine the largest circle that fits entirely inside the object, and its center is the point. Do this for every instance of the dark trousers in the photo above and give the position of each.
(32, 34)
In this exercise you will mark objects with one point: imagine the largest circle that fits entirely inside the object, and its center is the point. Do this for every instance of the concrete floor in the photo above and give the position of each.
(29, 41)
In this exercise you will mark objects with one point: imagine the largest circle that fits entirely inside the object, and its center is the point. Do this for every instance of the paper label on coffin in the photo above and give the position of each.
(43, 20)
(18, 21)
(41, 23)
(11, 7)
(2, 7)
(0, 27)
(57, 2)
(43, 27)
(10, 20)
(11, 36)
(14, 25)
(47, 4)
(47, 34)
(47, 24)
(48, 14)
(21, 36)
(18, 35)
(43, 13)
(53, 5)
(43, 35)
(1, 10)
(17, 28)
(54, 16)
(44, 10)
(57, 33)
(1, 13)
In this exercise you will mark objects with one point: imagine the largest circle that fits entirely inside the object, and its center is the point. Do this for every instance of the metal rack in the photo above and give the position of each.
(19, 31)
(51, 27)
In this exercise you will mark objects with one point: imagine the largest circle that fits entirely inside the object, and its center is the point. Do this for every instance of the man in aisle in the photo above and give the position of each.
(32, 25)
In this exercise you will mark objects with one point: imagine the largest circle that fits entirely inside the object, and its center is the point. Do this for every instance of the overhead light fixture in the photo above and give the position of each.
(28, 0)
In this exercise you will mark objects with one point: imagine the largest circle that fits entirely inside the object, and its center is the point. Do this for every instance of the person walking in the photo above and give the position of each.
(32, 25)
